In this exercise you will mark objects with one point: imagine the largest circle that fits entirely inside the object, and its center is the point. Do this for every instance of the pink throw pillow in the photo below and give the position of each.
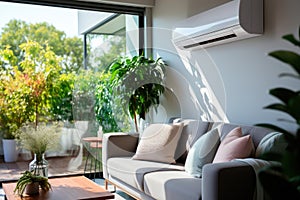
(233, 146)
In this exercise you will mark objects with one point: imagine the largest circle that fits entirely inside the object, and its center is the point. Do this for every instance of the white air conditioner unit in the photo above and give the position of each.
(235, 20)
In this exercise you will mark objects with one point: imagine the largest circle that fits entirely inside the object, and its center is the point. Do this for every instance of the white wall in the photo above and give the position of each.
(239, 74)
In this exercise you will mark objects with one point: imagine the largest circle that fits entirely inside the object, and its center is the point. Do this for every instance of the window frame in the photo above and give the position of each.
(101, 7)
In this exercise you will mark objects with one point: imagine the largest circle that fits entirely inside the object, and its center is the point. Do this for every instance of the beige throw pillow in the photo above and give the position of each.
(158, 143)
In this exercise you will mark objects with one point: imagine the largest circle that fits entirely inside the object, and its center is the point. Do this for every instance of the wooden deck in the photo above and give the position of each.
(58, 166)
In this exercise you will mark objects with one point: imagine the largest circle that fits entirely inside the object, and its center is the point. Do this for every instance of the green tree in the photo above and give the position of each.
(17, 32)
(28, 86)
(42, 70)
(115, 46)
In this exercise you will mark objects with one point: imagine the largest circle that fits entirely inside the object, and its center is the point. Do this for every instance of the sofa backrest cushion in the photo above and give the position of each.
(193, 129)
(257, 133)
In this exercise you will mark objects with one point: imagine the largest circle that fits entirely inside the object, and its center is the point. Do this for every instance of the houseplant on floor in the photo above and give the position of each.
(284, 182)
(30, 183)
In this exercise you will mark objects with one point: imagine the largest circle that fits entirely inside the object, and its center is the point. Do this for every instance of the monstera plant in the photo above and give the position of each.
(284, 182)
(137, 83)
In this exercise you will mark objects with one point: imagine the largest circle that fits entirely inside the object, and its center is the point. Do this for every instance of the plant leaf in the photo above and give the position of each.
(278, 107)
(283, 94)
(292, 39)
(294, 107)
(289, 57)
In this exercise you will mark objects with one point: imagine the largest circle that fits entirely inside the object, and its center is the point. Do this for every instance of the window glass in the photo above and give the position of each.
(58, 58)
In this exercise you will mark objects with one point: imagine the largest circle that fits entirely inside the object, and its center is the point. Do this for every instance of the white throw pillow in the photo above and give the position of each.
(159, 142)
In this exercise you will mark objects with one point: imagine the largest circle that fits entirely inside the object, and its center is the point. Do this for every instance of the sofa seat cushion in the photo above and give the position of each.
(172, 185)
(132, 171)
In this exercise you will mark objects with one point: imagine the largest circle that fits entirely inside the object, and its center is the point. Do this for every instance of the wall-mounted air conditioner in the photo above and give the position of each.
(235, 20)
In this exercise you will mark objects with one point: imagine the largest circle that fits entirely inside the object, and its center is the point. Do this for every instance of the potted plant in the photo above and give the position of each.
(284, 182)
(26, 88)
(13, 111)
(30, 183)
(38, 140)
(137, 83)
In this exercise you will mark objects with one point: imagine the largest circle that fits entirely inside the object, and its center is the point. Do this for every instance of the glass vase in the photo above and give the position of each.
(39, 165)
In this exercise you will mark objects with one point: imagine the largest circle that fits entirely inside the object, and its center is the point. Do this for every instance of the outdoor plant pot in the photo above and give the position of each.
(32, 188)
(10, 150)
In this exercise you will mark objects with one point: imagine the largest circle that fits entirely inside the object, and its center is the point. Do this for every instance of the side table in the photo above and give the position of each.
(94, 143)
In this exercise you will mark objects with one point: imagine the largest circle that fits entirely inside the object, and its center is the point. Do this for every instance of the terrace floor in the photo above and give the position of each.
(58, 166)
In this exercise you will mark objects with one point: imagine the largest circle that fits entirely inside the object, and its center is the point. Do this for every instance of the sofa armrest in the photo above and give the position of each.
(117, 145)
(230, 180)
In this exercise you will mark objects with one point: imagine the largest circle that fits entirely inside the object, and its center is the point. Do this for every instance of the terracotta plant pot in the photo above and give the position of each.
(32, 188)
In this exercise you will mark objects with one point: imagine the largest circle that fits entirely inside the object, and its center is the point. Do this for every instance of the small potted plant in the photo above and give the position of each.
(30, 183)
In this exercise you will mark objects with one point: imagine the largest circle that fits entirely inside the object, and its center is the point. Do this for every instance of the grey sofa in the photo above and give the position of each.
(233, 180)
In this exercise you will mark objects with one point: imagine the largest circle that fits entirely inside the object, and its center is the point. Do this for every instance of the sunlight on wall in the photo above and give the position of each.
(192, 87)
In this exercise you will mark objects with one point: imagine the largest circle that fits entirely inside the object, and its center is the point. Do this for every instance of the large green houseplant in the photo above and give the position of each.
(137, 84)
(284, 182)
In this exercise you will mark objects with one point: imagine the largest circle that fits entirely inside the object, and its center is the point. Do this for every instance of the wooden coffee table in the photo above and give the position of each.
(67, 188)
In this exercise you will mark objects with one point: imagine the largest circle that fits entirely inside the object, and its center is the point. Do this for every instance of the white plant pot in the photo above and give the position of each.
(10, 150)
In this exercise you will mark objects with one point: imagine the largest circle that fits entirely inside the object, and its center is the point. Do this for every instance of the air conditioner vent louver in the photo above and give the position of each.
(235, 20)
(210, 41)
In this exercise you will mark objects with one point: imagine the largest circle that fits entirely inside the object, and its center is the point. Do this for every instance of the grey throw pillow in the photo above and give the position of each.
(202, 152)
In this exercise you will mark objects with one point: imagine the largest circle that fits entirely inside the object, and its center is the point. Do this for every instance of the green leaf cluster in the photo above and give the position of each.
(32, 87)
(38, 65)
(85, 85)
(288, 175)
(28, 178)
(17, 32)
(137, 84)
(104, 108)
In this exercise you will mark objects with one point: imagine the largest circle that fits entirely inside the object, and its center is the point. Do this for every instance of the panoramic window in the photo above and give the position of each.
(53, 67)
